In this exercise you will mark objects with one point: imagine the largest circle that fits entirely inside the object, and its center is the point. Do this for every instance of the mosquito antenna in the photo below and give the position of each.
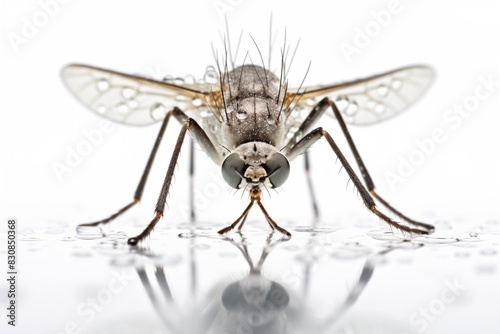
(261, 59)
(241, 72)
(226, 73)
(221, 83)
(301, 94)
(284, 55)
(293, 56)
(270, 41)
(237, 47)
(229, 42)
(281, 78)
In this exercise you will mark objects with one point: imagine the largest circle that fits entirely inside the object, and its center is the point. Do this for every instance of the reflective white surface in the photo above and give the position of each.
(330, 279)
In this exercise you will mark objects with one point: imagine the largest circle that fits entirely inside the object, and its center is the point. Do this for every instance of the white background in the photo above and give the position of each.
(457, 182)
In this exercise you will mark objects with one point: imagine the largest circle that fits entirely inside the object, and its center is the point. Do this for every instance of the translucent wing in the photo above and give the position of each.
(128, 98)
(373, 99)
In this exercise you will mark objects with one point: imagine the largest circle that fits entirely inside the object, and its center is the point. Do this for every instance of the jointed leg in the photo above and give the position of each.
(241, 218)
(191, 125)
(314, 136)
(142, 183)
(364, 171)
(305, 127)
(254, 197)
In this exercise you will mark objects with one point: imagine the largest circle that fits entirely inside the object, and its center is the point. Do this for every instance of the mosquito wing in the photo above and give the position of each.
(131, 99)
(373, 99)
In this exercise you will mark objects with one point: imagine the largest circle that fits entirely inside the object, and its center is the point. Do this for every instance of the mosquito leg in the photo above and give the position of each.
(191, 125)
(318, 133)
(192, 214)
(243, 221)
(142, 182)
(306, 125)
(243, 216)
(271, 222)
(364, 171)
(310, 186)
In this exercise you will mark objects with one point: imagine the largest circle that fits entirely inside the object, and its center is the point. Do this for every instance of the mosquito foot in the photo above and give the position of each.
(225, 230)
(418, 231)
(284, 232)
(133, 241)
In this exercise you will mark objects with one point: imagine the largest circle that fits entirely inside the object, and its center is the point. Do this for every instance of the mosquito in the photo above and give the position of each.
(251, 124)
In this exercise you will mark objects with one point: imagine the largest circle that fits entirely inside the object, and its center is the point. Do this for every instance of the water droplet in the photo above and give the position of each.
(68, 239)
(101, 109)
(89, 232)
(182, 98)
(382, 90)
(168, 78)
(196, 102)
(295, 113)
(122, 109)
(132, 103)
(205, 113)
(473, 234)
(127, 93)
(241, 114)
(211, 76)
(214, 128)
(102, 85)
(178, 81)
(379, 108)
(342, 101)
(158, 112)
(352, 109)
(190, 79)
(346, 106)
(396, 84)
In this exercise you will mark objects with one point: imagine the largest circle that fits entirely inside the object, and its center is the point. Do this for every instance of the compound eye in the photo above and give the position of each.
(233, 169)
(277, 168)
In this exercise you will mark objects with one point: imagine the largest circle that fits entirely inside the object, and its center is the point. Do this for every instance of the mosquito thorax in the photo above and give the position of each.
(252, 107)
(255, 164)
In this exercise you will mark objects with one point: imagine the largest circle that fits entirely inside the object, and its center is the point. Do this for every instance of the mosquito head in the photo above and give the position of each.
(255, 164)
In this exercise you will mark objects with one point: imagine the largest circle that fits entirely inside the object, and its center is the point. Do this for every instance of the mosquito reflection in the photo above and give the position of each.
(255, 303)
